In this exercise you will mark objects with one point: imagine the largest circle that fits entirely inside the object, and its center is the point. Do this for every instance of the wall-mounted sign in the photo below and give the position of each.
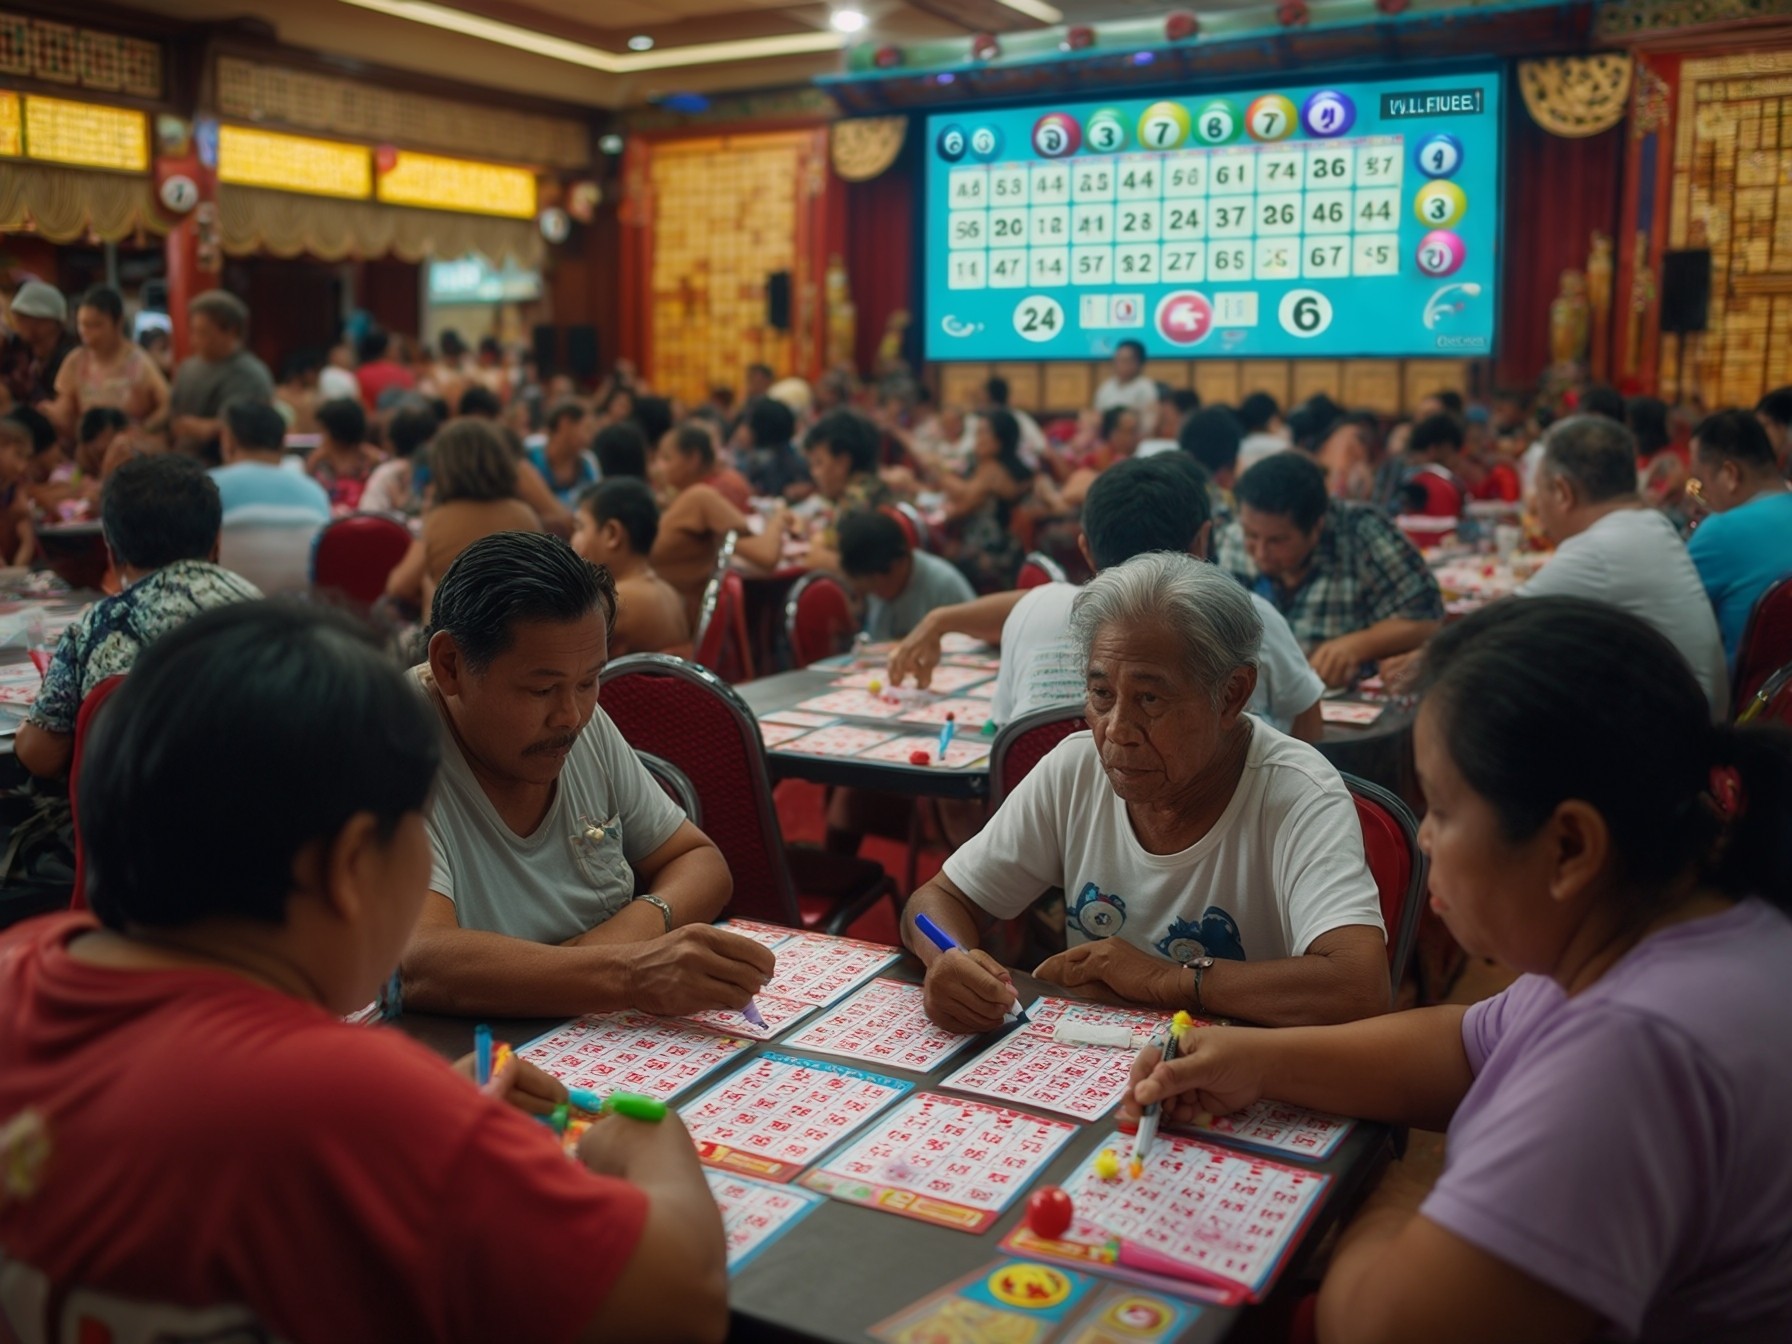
(437, 183)
(256, 158)
(86, 135)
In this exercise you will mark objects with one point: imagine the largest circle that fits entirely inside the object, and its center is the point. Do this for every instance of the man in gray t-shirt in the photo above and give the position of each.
(562, 880)
(900, 585)
(220, 370)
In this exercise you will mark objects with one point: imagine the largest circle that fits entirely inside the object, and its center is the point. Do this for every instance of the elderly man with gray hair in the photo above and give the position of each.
(1208, 861)
(219, 371)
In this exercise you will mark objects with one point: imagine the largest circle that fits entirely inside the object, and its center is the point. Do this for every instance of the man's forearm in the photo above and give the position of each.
(980, 619)
(468, 971)
(1300, 991)
(1396, 634)
(952, 914)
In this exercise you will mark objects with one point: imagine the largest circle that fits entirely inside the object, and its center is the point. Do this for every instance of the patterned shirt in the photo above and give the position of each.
(1362, 571)
(107, 638)
(864, 493)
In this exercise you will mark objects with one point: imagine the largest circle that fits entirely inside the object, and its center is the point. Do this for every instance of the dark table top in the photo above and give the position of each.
(1380, 752)
(845, 1267)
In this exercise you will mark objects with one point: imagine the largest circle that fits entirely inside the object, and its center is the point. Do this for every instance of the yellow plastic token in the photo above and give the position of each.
(1440, 204)
(1107, 1164)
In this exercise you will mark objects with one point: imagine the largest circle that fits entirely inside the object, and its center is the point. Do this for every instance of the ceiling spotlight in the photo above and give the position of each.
(847, 21)
(610, 144)
(640, 43)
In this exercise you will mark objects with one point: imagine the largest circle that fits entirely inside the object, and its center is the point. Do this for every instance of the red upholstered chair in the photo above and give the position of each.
(1772, 703)
(722, 643)
(355, 555)
(1398, 865)
(1021, 745)
(90, 707)
(1038, 569)
(819, 619)
(1766, 643)
(675, 783)
(695, 720)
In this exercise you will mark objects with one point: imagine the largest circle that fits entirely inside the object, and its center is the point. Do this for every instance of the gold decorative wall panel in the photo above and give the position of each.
(60, 53)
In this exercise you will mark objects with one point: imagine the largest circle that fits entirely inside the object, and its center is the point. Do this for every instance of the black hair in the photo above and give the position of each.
(1648, 421)
(771, 423)
(763, 369)
(372, 345)
(1290, 485)
(871, 542)
(299, 363)
(1110, 420)
(1145, 504)
(471, 459)
(105, 300)
(1539, 701)
(35, 423)
(1450, 399)
(480, 402)
(996, 391)
(568, 408)
(1186, 400)
(1598, 399)
(621, 450)
(1776, 406)
(343, 420)
(1137, 347)
(410, 428)
(1442, 430)
(1211, 437)
(629, 502)
(451, 344)
(98, 420)
(1596, 452)
(1006, 429)
(182, 818)
(1736, 435)
(653, 415)
(160, 509)
(847, 434)
(693, 440)
(509, 577)
(1256, 411)
(255, 425)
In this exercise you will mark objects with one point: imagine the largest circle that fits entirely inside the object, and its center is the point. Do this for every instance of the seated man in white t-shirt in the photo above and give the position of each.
(562, 879)
(1134, 507)
(1127, 385)
(1208, 862)
(1612, 547)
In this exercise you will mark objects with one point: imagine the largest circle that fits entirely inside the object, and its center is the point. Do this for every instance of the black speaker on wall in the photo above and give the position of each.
(1685, 290)
(547, 351)
(777, 300)
(581, 351)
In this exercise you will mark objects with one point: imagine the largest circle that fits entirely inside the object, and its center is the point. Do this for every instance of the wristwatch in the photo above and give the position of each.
(666, 914)
(1200, 966)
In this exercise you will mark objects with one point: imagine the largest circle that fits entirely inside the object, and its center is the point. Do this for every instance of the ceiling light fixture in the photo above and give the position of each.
(641, 42)
(595, 58)
(847, 21)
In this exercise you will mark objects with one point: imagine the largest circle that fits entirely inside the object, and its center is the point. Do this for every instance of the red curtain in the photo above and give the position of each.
(1558, 192)
(882, 244)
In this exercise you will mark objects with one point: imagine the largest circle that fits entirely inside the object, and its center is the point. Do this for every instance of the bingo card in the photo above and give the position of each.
(1281, 1128)
(755, 1214)
(942, 1160)
(630, 1052)
(816, 968)
(778, 1114)
(777, 1014)
(882, 1024)
(842, 739)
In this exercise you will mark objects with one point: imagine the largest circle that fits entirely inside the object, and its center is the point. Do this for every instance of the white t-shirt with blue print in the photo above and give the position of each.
(1281, 867)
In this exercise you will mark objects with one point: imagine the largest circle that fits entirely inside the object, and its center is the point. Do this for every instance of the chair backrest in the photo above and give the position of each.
(676, 783)
(819, 619)
(1039, 569)
(271, 546)
(90, 707)
(355, 556)
(687, 715)
(918, 521)
(1766, 643)
(722, 644)
(1772, 702)
(911, 525)
(1398, 865)
(1021, 745)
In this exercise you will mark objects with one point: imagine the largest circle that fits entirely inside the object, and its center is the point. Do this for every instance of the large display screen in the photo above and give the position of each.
(1337, 219)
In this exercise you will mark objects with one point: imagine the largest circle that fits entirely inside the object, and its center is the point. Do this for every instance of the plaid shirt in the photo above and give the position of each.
(1361, 572)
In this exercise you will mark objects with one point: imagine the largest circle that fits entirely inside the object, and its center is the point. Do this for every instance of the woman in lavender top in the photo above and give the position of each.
(1618, 1165)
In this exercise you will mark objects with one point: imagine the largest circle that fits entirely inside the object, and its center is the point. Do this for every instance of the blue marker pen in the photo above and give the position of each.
(946, 731)
(482, 1054)
(944, 941)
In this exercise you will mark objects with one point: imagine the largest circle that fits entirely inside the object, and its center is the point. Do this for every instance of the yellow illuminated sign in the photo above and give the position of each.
(88, 135)
(459, 184)
(252, 158)
(12, 130)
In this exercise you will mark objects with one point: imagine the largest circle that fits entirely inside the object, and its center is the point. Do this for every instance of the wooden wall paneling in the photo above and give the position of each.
(1425, 376)
(1066, 388)
(1025, 382)
(1310, 377)
(1273, 376)
(1372, 385)
(962, 384)
(1217, 381)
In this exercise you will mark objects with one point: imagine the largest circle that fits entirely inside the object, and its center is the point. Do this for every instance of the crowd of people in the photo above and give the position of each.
(278, 817)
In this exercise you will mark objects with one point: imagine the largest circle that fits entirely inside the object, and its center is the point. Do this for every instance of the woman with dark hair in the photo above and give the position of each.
(1616, 1162)
(981, 503)
(473, 488)
(108, 370)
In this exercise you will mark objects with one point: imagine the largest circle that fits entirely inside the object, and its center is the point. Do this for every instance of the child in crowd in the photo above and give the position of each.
(102, 442)
(291, 1176)
(395, 486)
(344, 461)
(615, 526)
(900, 585)
(1616, 1163)
(161, 517)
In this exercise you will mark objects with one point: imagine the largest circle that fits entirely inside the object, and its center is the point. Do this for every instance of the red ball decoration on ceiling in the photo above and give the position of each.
(984, 47)
(385, 159)
(1392, 7)
(1181, 25)
(1293, 14)
(887, 58)
(1079, 38)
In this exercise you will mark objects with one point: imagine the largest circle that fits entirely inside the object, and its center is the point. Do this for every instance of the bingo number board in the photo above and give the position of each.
(1348, 219)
